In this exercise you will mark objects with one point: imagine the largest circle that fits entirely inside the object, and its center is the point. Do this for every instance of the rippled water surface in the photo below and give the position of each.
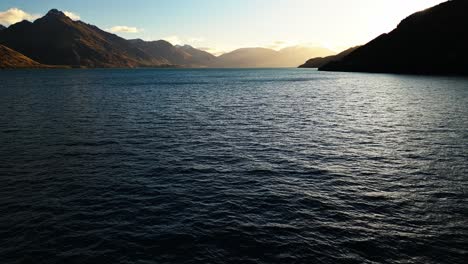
(232, 166)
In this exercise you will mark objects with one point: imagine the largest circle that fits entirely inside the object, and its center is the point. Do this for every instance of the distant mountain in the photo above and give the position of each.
(296, 55)
(247, 57)
(321, 61)
(11, 59)
(433, 41)
(55, 39)
(263, 57)
(198, 57)
(2, 27)
(175, 55)
(161, 50)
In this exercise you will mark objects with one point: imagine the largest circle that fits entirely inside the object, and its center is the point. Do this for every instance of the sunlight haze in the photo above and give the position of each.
(219, 26)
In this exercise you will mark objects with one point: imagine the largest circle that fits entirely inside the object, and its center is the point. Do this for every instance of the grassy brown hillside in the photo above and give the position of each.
(10, 59)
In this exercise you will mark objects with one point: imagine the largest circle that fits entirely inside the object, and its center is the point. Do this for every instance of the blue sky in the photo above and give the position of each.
(229, 24)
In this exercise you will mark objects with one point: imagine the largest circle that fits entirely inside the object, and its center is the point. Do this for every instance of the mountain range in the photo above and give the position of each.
(263, 57)
(175, 55)
(433, 41)
(56, 39)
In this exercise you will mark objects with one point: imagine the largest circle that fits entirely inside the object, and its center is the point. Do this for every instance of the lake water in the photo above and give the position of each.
(232, 166)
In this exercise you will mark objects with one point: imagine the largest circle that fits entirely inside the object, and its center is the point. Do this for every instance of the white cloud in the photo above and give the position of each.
(124, 29)
(177, 40)
(72, 15)
(15, 15)
(174, 40)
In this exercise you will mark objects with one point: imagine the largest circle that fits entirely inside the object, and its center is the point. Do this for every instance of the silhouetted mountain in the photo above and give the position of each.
(10, 59)
(263, 57)
(433, 41)
(321, 61)
(55, 39)
(2, 27)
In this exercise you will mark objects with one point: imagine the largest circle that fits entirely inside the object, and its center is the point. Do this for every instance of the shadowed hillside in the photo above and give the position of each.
(2, 27)
(10, 59)
(321, 61)
(55, 39)
(176, 55)
(433, 41)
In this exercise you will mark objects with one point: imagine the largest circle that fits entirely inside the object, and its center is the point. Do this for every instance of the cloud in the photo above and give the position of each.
(177, 40)
(15, 15)
(72, 15)
(124, 29)
(174, 40)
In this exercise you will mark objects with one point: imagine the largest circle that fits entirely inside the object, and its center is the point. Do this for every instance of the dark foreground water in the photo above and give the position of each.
(232, 166)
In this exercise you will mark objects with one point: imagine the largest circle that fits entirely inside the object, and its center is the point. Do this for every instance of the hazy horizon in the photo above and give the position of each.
(230, 25)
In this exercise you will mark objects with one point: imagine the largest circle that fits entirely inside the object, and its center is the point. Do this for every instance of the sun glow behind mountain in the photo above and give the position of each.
(231, 24)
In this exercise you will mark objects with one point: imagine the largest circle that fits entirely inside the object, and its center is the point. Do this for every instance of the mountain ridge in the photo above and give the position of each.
(56, 39)
(432, 42)
(178, 55)
(198, 56)
(265, 57)
(321, 61)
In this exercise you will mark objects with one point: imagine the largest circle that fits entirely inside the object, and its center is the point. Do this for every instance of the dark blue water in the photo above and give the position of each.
(232, 166)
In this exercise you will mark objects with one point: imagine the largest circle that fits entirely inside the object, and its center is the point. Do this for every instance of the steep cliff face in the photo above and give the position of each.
(433, 41)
